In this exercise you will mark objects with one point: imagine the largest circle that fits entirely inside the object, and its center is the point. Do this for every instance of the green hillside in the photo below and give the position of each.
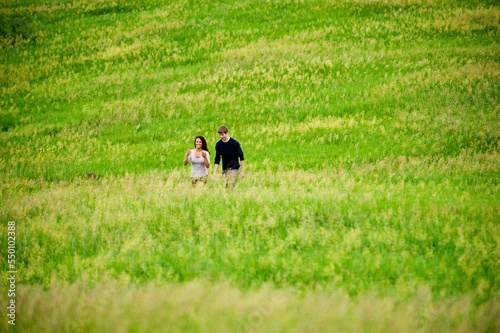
(371, 133)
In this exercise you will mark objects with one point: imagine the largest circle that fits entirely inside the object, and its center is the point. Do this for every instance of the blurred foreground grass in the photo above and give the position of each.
(201, 306)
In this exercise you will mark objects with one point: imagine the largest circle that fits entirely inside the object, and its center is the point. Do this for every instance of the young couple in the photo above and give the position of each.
(227, 148)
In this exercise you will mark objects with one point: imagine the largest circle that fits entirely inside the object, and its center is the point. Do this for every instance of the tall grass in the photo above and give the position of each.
(360, 229)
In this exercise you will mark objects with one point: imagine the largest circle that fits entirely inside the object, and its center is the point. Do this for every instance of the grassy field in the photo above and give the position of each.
(371, 132)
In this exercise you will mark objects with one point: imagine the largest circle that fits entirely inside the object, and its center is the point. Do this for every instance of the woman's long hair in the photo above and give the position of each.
(203, 143)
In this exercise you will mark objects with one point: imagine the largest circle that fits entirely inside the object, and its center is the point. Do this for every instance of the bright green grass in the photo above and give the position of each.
(371, 135)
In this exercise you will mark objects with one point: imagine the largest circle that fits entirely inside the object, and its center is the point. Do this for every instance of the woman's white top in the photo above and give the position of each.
(198, 168)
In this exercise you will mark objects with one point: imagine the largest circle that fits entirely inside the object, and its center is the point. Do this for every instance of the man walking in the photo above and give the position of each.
(230, 150)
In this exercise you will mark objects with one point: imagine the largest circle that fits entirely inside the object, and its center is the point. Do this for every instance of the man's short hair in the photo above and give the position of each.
(223, 129)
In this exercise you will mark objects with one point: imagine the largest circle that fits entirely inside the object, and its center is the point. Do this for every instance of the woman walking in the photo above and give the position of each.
(200, 161)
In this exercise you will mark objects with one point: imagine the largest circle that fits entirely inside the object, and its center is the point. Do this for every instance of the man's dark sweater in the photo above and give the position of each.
(229, 151)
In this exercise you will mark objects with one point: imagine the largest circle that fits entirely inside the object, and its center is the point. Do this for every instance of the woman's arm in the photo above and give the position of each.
(186, 158)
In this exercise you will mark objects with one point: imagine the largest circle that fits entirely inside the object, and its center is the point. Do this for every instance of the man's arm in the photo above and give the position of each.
(242, 160)
(242, 168)
(216, 167)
